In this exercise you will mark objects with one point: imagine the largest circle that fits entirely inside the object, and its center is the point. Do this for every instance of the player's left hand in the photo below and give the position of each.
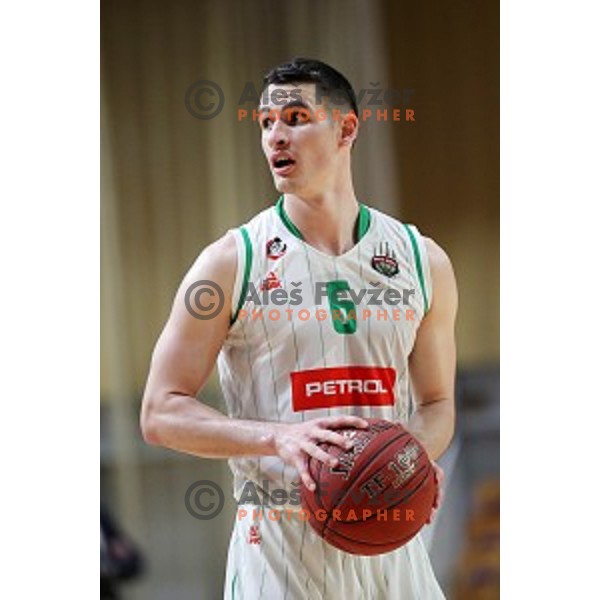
(439, 496)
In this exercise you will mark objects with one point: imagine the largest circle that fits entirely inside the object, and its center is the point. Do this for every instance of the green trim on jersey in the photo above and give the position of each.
(233, 586)
(364, 220)
(417, 254)
(247, 268)
(286, 220)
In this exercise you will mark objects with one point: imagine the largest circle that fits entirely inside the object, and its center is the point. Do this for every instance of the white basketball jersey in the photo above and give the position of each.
(316, 335)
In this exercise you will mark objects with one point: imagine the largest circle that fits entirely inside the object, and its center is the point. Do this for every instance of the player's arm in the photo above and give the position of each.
(432, 363)
(183, 359)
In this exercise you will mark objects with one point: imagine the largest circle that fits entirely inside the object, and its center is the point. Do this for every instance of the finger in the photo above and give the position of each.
(431, 516)
(343, 421)
(302, 467)
(327, 435)
(439, 499)
(439, 475)
(320, 454)
(439, 472)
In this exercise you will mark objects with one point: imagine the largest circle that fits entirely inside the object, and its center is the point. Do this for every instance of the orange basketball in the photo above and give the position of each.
(378, 496)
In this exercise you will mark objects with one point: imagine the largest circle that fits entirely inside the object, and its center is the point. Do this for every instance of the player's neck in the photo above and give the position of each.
(327, 221)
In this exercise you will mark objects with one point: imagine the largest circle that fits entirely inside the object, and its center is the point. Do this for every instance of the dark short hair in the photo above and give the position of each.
(331, 83)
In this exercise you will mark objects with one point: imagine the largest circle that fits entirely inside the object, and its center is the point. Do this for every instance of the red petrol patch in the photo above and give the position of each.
(343, 386)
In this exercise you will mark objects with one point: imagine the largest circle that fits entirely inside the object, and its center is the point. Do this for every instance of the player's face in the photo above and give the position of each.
(300, 139)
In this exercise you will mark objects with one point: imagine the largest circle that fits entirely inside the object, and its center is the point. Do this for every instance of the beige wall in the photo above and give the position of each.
(449, 159)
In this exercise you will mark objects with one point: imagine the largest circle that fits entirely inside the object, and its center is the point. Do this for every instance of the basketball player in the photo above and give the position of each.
(290, 382)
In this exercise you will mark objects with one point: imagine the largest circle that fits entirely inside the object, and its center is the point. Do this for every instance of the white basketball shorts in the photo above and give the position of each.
(275, 555)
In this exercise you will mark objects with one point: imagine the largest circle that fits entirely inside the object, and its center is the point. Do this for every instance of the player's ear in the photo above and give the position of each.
(349, 128)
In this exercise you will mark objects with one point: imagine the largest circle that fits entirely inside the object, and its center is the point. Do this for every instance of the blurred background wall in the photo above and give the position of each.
(172, 183)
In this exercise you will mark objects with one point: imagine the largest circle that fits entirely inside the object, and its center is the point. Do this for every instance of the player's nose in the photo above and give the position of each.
(279, 135)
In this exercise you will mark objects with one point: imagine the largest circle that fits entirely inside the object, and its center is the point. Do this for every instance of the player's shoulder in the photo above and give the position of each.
(216, 262)
(437, 256)
(442, 277)
(223, 251)
(220, 257)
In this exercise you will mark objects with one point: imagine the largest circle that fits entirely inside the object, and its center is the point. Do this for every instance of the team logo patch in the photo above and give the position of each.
(276, 248)
(270, 282)
(343, 386)
(384, 260)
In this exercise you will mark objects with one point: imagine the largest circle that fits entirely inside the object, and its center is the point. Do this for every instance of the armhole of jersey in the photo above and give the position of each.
(242, 277)
(421, 264)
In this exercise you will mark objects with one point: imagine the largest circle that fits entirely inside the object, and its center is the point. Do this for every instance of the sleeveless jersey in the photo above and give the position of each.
(315, 335)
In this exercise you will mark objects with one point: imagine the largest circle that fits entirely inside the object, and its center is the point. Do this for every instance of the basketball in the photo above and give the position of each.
(378, 496)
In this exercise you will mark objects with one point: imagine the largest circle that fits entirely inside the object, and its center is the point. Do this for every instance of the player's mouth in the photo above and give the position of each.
(282, 164)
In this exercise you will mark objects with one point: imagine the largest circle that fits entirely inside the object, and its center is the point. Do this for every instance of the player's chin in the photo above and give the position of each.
(283, 184)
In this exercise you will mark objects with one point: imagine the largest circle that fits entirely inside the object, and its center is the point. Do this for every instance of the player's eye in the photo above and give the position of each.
(266, 123)
(296, 117)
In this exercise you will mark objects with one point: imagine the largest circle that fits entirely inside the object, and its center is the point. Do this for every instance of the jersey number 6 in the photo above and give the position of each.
(343, 311)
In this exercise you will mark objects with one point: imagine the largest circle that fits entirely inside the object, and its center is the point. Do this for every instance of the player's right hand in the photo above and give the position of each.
(296, 442)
